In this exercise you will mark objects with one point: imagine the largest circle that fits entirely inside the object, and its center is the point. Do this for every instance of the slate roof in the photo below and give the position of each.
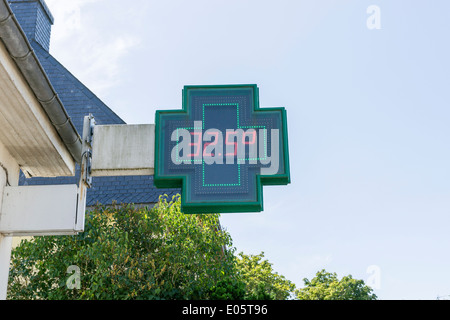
(79, 101)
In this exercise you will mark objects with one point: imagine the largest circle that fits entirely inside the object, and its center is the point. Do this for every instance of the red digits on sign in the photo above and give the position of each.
(252, 137)
(197, 145)
(227, 142)
(216, 140)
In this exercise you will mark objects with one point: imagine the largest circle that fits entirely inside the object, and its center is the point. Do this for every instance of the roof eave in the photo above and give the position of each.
(22, 53)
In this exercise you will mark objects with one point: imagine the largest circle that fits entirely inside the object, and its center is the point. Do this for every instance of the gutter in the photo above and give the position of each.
(21, 52)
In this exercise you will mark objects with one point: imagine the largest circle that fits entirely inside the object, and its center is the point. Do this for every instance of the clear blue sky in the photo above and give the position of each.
(368, 113)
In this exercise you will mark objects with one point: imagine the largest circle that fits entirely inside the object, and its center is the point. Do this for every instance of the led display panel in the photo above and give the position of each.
(221, 148)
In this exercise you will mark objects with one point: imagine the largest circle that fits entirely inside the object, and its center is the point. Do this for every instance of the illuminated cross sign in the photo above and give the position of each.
(221, 149)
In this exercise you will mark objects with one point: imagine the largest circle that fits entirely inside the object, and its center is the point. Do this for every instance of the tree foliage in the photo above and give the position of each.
(327, 286)
(128, 253)
(160, 253)
(261, 281)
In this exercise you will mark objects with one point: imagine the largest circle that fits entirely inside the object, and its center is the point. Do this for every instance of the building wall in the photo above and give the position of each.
(36, 20)
(9, 176)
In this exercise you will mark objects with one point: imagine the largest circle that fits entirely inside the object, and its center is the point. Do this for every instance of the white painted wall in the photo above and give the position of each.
(5, 248)
(9, 175)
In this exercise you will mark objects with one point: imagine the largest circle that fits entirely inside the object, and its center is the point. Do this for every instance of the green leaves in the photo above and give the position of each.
(327, 286)
(160, 253)
(262, 282)
(127, 253)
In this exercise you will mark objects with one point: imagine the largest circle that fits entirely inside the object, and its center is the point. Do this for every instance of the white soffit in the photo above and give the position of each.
(25, 129)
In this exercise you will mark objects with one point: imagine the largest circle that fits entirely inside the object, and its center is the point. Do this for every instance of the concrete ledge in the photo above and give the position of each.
(123, 150)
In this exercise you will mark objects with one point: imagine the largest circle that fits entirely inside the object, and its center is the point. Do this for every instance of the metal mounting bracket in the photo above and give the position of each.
(85, 171)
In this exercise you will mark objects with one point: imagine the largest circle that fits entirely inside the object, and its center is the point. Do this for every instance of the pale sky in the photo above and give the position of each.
(368, 114)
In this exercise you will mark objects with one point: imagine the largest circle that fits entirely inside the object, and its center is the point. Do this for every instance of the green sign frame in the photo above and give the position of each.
(185, 181)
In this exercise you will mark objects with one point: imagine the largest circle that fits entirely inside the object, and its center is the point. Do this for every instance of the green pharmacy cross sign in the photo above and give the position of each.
(221, 149)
